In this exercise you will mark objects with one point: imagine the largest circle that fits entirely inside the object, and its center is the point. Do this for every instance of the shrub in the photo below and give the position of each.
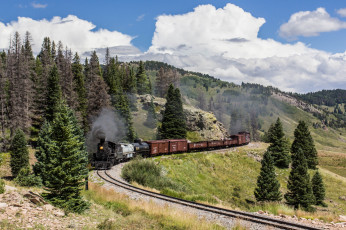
(26, 178)
(2, 186)
(147, 173)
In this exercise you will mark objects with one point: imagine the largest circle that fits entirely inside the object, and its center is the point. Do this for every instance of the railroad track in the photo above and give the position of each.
(263, 220)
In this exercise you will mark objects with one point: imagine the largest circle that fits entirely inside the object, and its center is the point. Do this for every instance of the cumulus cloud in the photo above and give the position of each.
(310, 23)
(224, 43)
(38, 5)
(342, 12)
(76, 33)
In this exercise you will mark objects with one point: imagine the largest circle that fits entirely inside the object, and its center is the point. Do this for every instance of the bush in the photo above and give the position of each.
(2, 186)
(26, 178)
(147, 173)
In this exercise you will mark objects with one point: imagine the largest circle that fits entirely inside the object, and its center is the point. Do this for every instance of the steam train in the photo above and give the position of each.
(109, 153)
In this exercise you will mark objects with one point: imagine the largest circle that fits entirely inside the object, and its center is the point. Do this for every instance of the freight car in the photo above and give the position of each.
(109, 153)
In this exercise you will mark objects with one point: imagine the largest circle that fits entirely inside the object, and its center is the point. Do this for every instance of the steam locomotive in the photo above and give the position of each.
(109, 153)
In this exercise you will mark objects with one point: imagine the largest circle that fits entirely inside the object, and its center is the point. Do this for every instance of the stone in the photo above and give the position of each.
(342, 197)
(342, 218)
(59, 213)
(48, 207)
(3, 205)
(10, 188)
(260, 212)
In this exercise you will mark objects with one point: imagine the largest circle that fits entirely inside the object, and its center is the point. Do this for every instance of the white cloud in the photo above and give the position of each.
(224, 43)
(310, 23)
(76, 33)
(38, 5)
(342, 12)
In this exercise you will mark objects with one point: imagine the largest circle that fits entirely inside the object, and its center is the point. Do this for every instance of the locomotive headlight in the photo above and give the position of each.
(101, 147)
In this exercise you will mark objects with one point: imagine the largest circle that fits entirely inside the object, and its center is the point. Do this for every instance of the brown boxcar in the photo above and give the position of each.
(179, 145)
(158, 147)
(247, 137)
(215, 144)
(235, 139)
(227, 142)
(198, 145)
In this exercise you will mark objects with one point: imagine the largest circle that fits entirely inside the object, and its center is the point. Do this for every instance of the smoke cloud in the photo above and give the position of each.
(108, 126)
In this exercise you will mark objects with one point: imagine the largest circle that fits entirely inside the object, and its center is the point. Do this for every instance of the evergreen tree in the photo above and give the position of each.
(19, 153)
(299, 192)
(97, 95)
(44, 146)
(173, 121)
(279, 146)
(53, 96)
(318, 189)
(66, 165)
(268, 187)
(142, 80)
(151, 118)
(303, 140)
(119, 100)
(79, 79)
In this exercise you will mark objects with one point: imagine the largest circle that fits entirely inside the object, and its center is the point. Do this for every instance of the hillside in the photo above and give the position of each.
(253, 107)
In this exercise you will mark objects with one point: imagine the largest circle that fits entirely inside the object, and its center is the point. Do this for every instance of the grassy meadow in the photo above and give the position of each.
(227, 178)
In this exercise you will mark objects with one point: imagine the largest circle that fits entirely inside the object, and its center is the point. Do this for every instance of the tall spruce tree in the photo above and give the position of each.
(79, 79)
(318, 189)
(19, 153)
(66, 164)
(268, 187)
(98, 97)
(299, 192)
(119, 100)
(53, 96)
(142, 80)
(44, 146)
(279, 146)
(303, 140)
(173, 121)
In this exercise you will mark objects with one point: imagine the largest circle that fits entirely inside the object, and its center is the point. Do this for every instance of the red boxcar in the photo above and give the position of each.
(179, 145)
(215, 144)
(158, 147)
(198, 145)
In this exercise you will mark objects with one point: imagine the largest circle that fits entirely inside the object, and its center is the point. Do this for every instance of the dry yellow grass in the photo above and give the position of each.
(174, 215)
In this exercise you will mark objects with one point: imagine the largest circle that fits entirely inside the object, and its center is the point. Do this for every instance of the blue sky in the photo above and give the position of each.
(133, 23)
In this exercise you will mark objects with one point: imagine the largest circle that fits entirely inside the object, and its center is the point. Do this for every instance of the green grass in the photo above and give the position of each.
(228, 178)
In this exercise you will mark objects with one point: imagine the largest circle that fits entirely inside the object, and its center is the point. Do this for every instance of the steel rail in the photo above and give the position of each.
(264, 220)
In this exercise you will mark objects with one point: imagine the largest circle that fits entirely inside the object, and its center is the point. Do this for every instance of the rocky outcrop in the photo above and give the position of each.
(203, 123)
(295, 102)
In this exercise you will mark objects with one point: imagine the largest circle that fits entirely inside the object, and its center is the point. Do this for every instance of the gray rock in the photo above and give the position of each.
(3, 205)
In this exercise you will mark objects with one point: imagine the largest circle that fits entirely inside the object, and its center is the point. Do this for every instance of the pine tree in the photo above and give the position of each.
(19, 153)
(151, 118)
(303, 140)
(53, 96)
(79, 79)
(318, 189)
(173, 121)
(97, 95)
(299, 192)
(279, 146)
(268, 187)
(66, 164)
(142, 80)
(44, 146)
(119, 100)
